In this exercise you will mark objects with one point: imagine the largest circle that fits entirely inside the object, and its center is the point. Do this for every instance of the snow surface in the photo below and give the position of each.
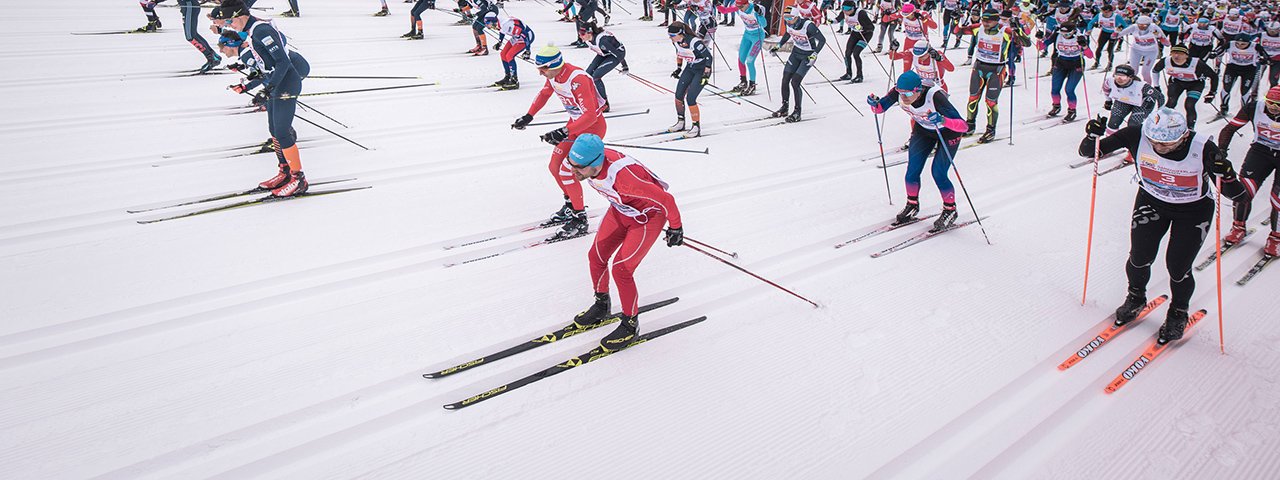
(288, 340)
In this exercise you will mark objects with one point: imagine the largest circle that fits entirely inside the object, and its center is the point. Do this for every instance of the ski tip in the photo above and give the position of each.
(707, 151)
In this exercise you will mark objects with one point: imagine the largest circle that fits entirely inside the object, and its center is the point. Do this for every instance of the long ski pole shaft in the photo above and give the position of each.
(722, 252)
(646, 82)
(1217, 240)
(286, 97)
(837, 89)
(764, 70)
(885, 167)
(606, 116)
(1011, 95)
(757, 277)
(1084, 83)
(725, 95)
(878, 62)
(722, 57)
(802, 89)
(360, 77)
(740, 97)
(309, 107)
(943, 145)
(331, 131)
(1093, 199)
(833, 35)
(1038, 86)
(646, 147)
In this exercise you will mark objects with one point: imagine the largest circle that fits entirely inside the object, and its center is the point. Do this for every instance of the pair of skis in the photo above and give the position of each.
(908, 242)
(560, 334)
(244, 203)
(1154, 348)
(1253, 271)
(1127, 161)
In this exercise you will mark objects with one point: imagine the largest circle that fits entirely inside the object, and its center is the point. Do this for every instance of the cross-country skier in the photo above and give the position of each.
(609, 54)
(861, 29)
(1176, 166)
(1144, 50)
(293, 10)
(415, 18)
(384, 12)
(1200, 38)
(1108, 21)
(481, 11)
(693, 71)
(639, 205)
(519, 37)
(1269, 40)
(1242, 58)
(282, 83)
(927, 62)
(153, 20)
(1128, 96)
(915, 27)
(1262, 158)
(887, 14)
(1187, 74)
(806, 42)
(754, 22)
(936, 127)
(577, 92)
(993, 42)
(1069, 49)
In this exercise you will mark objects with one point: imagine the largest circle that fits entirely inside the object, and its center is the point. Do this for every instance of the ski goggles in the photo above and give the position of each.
(235, 40)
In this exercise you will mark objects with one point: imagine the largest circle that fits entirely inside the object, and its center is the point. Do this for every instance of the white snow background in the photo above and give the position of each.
(288, 340)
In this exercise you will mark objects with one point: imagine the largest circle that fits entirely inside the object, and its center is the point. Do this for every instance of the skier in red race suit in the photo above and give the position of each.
(577, 91)
(639, 206)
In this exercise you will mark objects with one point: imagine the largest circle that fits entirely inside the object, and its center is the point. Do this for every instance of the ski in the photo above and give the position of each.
(518, 248)
(1123, 163)
(1104, 157)
(1257, 267)
(1216, 117)
(922, 237)
(557, 335)
(1154, 350)
(591, 356)
(884, 229)
(225, 196)
(1109, 332)
(1059, 124)
(1226, 247)
(1039, 119)
(975, 144)
(902, 149)
(256, 201)
(118, 32)
(515, 231)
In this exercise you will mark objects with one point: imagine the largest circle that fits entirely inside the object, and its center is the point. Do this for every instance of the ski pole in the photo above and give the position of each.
(606, 116)
(1217, 240)
(722, 94)
(1038, 85)
(739, 97)
(331, 131)
(1093, 199)
(837, 89)
(286, 97)
(885, 166)
(309, 107)
(764, 70)
(743, 270)
(722, 57)
(358, 77)
(833, 35)
(695, 242)
(1011, 95)
(650, 84)
(1085, 83)
(646, 147)
(943, 146)
(878, 62)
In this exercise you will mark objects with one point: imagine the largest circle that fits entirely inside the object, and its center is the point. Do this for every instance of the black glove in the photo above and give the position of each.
(1208, 97)
(497, 46)
(260, 98)
(254, 75)
(676, 74)
(522, 122)
(706, 77)
(556, 136)
(1083, 41)
(236, 67)
(1107, 104)
(1039, 34)
(1095, 127)
(675, 237)
(1222, 166)
(935, 55)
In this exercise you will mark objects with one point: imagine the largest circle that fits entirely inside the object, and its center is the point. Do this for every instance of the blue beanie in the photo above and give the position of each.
(909, 81)
(587, 151)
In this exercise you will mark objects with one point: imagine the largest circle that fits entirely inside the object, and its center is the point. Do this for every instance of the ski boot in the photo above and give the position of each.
(481, 52)
(1175, 325)
(1236, 234)
(967, 62)
(266, 147)
(646, 18)
(879, 48)
(595, 315)
(694, 131)
(732, 21)
(750, 89)
(623, 336)
(502, 82)
(277, 181)
(574, 228)
(1127, 312)
(561, 216)
(742, 83)
(151, 26)
(908, 212)
(782, 112)
(411, 34)
(945, 220)
(382, 13)
(973, 127)
(1273, 244)
(474, 49)
(1095, 64)
(211, 61)
(1108, 69)
(416, 36)
(1053, 112)
(677, 127)
(297, 185)
(857, 79)
(988, 136)
(846, 76)
(513, 83)
(1070, 116)
(663, 24)
(795, 115)
(291, 13)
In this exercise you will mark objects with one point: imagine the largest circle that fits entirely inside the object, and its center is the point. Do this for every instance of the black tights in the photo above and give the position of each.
(1187, 225)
